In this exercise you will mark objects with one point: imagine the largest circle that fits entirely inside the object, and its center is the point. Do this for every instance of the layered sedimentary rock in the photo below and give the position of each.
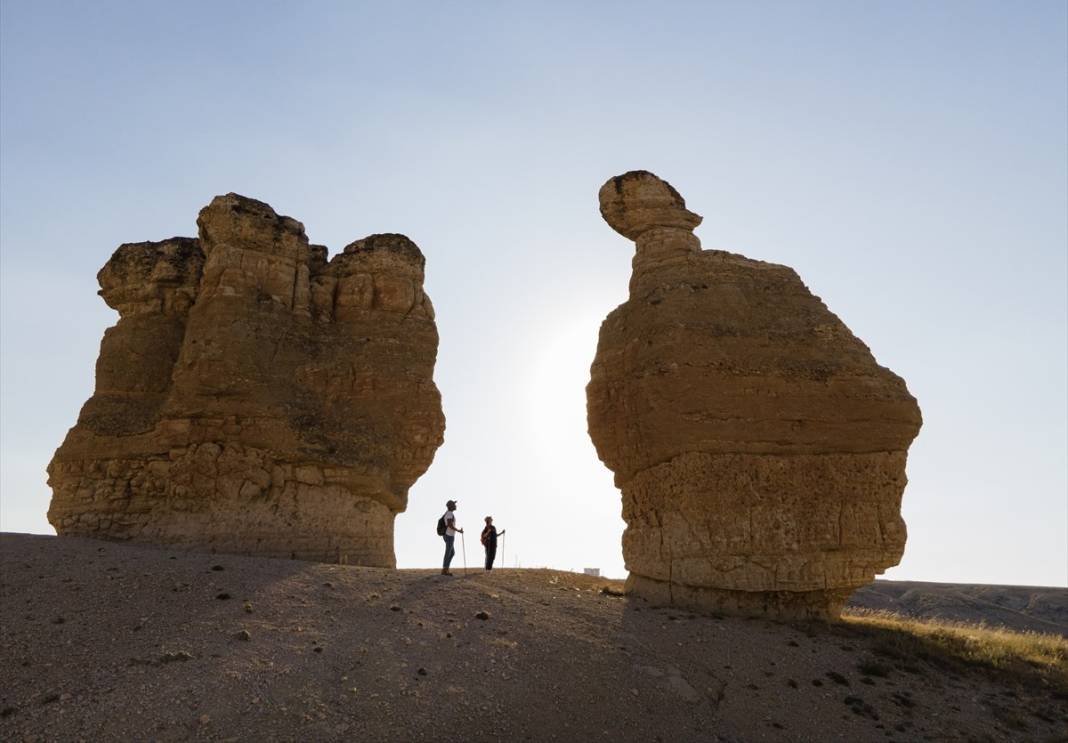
(254, 397)
(759, 447)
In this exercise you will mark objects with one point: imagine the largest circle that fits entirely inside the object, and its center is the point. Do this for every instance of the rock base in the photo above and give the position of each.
(821, 605)
(744, 523)
(228, 499)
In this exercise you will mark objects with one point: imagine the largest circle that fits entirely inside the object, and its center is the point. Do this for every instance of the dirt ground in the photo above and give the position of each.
(105, 642)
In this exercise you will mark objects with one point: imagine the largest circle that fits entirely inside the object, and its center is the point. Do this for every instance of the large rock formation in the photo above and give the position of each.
(253, 397)
(759, 447)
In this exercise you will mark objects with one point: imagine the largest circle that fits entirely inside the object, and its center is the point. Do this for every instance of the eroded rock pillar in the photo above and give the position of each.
(254, 397)
(759, 447)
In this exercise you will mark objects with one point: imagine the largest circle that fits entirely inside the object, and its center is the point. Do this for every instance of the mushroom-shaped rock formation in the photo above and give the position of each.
(253, 397)
(759, 447)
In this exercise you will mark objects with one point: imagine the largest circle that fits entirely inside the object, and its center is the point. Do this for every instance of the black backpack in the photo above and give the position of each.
(441, 526)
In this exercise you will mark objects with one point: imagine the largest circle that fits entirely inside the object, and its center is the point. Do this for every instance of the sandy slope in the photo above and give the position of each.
(113, 642)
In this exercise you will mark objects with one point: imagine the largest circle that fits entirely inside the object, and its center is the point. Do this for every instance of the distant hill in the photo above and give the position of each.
(1020, 608)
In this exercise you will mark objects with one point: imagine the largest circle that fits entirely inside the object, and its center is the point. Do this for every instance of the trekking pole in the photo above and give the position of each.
(463, 546)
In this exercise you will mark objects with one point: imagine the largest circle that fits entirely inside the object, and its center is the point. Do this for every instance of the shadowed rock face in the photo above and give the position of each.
(759, 447)
(253, 397)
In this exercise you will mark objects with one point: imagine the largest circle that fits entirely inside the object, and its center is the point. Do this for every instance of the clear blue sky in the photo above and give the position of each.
(909, 159)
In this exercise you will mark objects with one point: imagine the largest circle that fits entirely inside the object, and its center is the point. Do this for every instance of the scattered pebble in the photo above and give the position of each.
(860, 707)
(244, 635)
(837, 678)
(483, 615)
(179, 655)
(222, 596)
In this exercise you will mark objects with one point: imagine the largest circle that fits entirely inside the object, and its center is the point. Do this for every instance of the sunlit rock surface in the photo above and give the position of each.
(759, 447)
(254, 397)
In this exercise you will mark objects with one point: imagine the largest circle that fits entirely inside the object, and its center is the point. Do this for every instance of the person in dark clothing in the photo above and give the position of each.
(489, 541)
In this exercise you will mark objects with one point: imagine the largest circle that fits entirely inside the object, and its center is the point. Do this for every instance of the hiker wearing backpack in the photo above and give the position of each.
(447, 530)
(489, 541)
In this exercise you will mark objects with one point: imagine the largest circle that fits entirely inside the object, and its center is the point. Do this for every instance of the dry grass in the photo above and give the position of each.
(1029, 655)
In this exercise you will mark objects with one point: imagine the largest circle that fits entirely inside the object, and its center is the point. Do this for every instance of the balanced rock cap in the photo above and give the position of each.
(638, 201)
(234, 215)
(390, 242)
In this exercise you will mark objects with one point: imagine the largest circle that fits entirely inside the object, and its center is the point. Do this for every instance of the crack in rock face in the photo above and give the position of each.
(254, 397)
(759, 447)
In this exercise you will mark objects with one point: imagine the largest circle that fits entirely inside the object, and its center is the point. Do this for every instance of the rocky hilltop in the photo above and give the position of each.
(759, 447)
(255, 397)
(117, 642)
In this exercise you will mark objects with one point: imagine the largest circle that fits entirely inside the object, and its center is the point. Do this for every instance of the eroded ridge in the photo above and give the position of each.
(255, 397)
(759, 447)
